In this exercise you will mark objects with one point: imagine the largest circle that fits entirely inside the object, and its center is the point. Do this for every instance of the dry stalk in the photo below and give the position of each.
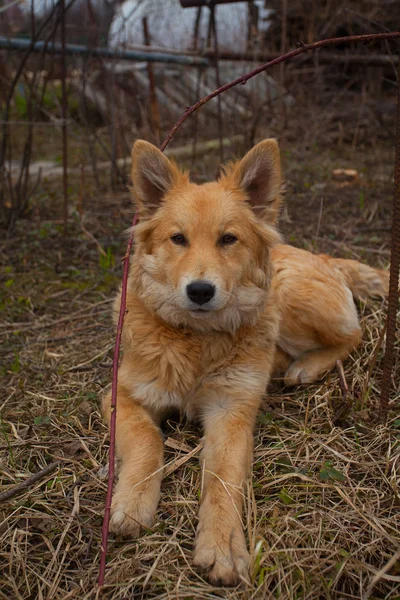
(24, 485)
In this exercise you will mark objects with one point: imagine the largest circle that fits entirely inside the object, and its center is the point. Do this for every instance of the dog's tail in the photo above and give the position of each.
(363, 281)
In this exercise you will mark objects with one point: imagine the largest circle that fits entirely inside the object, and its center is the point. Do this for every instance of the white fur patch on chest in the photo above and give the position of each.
(152, 396)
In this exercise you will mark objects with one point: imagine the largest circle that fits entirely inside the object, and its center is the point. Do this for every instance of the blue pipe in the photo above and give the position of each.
(75, 49)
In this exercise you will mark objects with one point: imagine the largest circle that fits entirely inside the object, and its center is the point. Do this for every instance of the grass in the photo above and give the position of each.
(322, 507)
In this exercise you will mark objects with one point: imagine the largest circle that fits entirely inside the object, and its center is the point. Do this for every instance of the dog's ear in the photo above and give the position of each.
(258, 175)
(152, 176)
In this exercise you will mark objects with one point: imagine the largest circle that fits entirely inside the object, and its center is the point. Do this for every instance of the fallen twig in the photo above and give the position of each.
(342, 379)
(79, 314)
(24, 485)
(90, 235)
(181, 461)
(345, 406)
(381, 573)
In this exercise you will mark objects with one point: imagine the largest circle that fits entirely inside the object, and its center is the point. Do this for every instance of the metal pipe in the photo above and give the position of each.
(188, 58)
(192, 3)
(391, 325)
(154, 111)
(162, 49)
(64, 107)
(75, 49)
(369, 60)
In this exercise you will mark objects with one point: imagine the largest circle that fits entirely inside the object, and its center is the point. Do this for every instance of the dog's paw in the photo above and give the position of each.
(225, 560)
(132, 513)
(297, 375)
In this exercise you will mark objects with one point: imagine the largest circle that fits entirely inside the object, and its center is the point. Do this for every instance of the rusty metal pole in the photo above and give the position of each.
(282, 65)
(389, 357)
(64, 115)
(213, 23)
(193, 3)
(154, 111)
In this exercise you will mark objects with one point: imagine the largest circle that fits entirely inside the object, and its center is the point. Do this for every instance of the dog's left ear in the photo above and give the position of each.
(153, 175)
(258, 174)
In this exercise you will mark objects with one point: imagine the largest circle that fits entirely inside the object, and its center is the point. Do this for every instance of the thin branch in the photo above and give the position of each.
(342, 379)
(24, 485)
(8, 6)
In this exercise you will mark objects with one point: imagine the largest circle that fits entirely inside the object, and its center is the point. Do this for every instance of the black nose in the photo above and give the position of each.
(200, 292)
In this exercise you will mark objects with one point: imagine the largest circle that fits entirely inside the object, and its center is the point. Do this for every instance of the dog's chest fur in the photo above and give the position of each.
(166, 367)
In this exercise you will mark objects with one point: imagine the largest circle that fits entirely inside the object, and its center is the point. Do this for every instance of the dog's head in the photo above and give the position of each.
(202, 251)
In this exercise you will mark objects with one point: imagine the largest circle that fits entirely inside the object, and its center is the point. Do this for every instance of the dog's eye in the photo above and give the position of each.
(179, 239)
(227, 239)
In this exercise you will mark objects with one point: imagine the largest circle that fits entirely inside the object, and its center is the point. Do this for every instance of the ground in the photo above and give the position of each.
(322, 508)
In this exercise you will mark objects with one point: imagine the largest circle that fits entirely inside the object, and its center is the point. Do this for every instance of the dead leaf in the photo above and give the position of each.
(349, 175)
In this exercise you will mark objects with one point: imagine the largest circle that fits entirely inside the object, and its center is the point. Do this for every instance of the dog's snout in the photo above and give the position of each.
(200, 292)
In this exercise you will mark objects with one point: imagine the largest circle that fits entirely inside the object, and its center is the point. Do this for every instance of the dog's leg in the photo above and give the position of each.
(221, 546)
(140, 447)
(312, 365)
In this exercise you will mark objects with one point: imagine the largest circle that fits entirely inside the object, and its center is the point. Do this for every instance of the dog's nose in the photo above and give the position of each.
(200, 292)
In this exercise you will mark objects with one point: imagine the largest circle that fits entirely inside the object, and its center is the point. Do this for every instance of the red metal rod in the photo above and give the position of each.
(64, 115)
(244, 78)
(113, 418)
(389, 357)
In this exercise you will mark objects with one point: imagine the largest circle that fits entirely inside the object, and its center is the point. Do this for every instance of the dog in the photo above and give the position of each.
(216, 305)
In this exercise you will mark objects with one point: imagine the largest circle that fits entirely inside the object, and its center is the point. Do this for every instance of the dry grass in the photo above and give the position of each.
(323, 504)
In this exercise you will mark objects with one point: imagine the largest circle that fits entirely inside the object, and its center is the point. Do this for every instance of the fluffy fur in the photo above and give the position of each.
(276, 309)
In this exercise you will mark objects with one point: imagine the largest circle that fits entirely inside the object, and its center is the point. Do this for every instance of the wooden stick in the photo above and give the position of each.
(24, 485)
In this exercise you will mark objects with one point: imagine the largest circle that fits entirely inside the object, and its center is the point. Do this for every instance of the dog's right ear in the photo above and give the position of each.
(258, 175)
(153, 175)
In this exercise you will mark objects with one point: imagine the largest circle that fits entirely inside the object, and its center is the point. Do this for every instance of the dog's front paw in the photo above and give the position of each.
(132, 512)
(224, 558)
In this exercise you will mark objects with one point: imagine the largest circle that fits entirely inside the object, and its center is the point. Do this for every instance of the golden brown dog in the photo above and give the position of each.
(216, 304)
